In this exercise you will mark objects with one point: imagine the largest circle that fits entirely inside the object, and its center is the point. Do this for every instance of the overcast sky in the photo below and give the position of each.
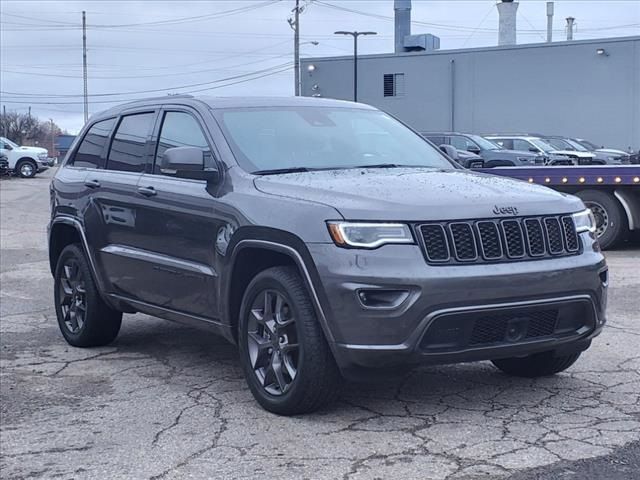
(216, 47)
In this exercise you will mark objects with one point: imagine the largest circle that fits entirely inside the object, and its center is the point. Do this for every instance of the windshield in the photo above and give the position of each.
(576, 145)
(9, 142)
(542, 145)
(483, 143)
(588, 145)
(272, 139)
(559, 144)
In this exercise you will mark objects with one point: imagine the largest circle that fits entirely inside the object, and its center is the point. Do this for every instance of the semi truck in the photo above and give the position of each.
(611, 192)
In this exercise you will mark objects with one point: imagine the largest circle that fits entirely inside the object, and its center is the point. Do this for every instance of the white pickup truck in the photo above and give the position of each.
(25, 161)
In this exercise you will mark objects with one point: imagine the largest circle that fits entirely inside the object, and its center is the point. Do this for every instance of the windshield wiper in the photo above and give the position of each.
(275, 171)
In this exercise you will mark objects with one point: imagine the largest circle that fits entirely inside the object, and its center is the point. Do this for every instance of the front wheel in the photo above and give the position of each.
(27, 168)
(538, 365)
(84, 319)
(284, 354)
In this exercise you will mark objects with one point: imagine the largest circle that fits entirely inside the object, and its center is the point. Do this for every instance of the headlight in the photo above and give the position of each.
(368, 235)
(43, 156)
(585, 221)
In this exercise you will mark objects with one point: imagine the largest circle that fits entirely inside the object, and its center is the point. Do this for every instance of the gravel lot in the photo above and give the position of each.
(167, 401)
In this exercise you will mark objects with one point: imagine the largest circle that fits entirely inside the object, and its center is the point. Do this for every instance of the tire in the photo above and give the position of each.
(539, 365)
(309, 377)
(612, 226)
(26, 168)
(84, 319)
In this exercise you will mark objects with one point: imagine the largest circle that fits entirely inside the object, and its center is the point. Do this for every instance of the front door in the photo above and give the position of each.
(180, 221)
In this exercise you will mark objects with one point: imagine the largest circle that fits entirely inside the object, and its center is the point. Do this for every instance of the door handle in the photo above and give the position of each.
(92, 184)
(147, 191)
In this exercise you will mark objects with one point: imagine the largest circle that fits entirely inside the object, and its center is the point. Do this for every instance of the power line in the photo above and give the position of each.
(172, 21)
(158, 90)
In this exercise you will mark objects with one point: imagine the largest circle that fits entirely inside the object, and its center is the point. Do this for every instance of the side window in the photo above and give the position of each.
(461, 143)
(128, 147)
(505, 143)
(521, 145)
(437, 140)
(180, 129)
(89, 153)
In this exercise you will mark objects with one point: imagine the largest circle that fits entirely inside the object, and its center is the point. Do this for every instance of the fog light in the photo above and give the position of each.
(381, 298)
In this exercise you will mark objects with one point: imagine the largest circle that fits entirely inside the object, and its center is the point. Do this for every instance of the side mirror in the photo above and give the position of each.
(473, 149)
(187, 162)
(450, 151)
(534, 150)
(6, 146)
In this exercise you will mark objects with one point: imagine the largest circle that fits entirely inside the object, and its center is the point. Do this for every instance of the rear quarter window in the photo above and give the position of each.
(89, 153)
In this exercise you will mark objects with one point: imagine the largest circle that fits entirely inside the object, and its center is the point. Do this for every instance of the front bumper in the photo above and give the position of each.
(45, 163)
(454, 298)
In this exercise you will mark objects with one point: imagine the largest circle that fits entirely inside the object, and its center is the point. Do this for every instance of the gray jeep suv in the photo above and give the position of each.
(324, 238)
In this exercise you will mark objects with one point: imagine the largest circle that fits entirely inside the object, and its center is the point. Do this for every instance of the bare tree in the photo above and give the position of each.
(26, 129)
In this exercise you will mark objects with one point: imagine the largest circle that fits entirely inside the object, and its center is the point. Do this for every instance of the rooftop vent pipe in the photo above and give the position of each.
(402, 9)
(571, 22)
(549, 22)
(507, 27)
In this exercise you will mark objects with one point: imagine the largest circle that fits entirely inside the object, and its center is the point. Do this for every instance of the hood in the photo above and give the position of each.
(35, 150)
(573, 153)
(519, 153)
(417, 194)
(612, 151)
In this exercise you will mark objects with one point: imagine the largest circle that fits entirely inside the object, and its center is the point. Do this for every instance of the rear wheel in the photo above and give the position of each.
(538, 365)
(26, 168)
(286, 359)
(611, 220)
(84, 319)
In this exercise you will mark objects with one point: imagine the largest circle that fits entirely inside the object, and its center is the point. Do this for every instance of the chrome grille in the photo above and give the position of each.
(498, 240)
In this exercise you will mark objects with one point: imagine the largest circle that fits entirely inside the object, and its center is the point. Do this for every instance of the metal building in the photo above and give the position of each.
(588, 89)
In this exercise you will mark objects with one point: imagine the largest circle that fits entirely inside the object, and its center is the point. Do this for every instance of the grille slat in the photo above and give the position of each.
(435, 241)
(570, 235)
(464, 243)
(535, 237)
(490, 244)
(499, 240)
(513, 238)
(554, 235)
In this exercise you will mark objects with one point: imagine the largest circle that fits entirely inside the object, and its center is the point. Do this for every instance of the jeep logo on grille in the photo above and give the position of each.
(505, 210)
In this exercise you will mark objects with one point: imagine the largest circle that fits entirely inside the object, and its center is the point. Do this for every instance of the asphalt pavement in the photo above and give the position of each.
(165, 401)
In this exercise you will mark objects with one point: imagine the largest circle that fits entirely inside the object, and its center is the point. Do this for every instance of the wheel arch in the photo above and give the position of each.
(252, 255)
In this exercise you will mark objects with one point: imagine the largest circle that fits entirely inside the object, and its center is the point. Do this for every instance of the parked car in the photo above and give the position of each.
(609, 155)
(537, 144)
(492, 154)
(598, 158)
(25, 161)
(4, 164)
(462, 157)
(324, 237)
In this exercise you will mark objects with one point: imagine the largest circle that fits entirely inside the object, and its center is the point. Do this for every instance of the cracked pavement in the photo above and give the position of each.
(166, 401)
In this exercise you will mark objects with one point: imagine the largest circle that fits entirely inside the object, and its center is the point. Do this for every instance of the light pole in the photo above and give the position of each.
(355, 36)
(298, 89)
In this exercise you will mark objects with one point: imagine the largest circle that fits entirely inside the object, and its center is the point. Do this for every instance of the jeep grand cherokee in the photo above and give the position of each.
(324, 238)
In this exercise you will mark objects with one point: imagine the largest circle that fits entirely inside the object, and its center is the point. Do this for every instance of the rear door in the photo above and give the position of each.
(112, 226)
(180, 222)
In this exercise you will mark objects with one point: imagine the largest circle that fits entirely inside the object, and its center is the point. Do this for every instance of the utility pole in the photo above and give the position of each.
(84, 66)
(53, 145)
(4, 120)
(294, 23)
(355, 36)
